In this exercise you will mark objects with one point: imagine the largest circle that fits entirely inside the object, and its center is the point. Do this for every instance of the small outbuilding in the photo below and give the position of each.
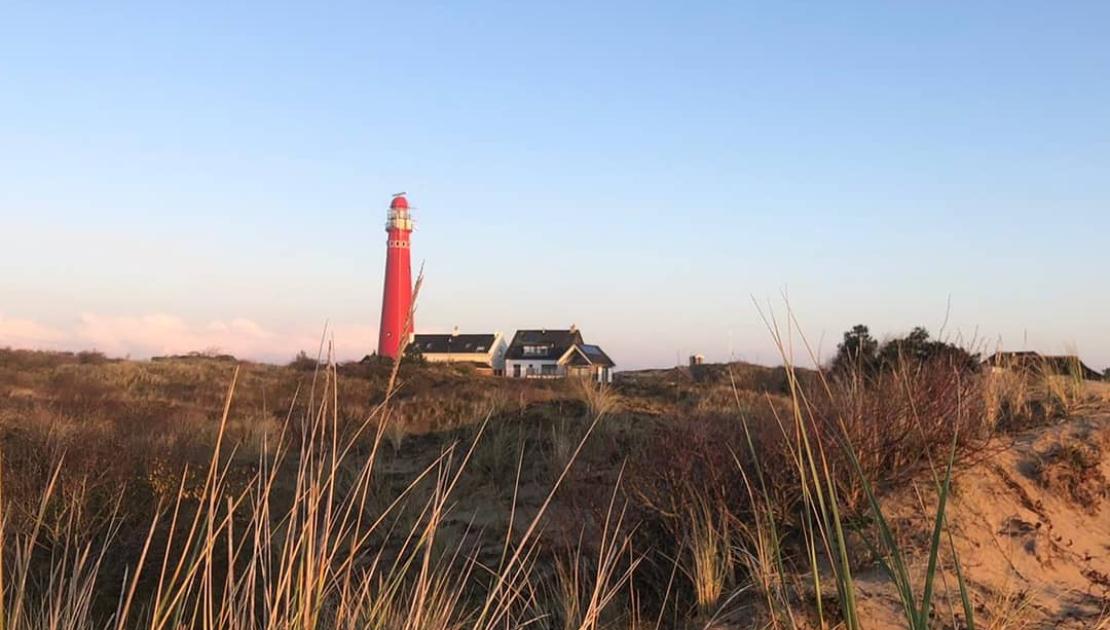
(485, 351)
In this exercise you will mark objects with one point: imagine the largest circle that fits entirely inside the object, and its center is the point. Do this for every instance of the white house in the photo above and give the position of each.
(556, 354)
(487, 351)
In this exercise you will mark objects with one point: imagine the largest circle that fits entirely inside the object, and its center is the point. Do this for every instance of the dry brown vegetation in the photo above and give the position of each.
(204, 492)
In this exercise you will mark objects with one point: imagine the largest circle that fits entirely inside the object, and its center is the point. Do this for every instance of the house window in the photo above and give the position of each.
(535, 350)
(516, 370)
(548, 369)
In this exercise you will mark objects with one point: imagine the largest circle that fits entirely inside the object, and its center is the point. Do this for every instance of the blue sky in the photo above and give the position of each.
(211, 175)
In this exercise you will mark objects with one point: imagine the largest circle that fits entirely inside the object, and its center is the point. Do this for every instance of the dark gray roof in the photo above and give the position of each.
(552, 343)
(596, 355)
(447, 344)
(587, 355)
(1068, 364)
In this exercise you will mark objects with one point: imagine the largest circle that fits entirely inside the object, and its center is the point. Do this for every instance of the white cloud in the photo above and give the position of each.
(152, 334)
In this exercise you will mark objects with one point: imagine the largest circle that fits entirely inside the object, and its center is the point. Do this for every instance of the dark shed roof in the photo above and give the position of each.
(1068, 364)
(447, 344)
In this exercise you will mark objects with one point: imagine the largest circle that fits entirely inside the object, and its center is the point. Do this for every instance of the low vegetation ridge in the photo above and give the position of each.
(903, 486)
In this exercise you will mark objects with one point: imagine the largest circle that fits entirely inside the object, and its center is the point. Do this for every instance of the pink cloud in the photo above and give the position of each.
(25, 333)
(152, 334)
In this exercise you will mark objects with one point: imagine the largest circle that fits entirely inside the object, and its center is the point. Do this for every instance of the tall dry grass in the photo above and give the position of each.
(1022, 393)
(753, 500)
(310, 553)
(304, 540)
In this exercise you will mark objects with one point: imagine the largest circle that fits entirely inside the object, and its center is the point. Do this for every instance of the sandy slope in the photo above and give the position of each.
(1031, 523)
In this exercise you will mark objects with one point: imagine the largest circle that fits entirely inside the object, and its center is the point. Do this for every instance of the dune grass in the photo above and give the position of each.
(237, 557)
(751, 501)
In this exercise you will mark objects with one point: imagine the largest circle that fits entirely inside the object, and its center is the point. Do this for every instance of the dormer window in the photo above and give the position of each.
(535, 350)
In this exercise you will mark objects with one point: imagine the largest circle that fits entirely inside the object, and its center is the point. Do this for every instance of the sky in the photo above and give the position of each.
(190, 176)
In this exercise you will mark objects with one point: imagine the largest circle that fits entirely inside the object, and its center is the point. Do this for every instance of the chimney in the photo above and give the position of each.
(455, 331)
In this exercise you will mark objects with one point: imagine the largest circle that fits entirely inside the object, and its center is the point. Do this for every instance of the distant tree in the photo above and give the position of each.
(92, 357)
(303, 362)
(858, 350)
(1106, 374)
(413, 356)
(917, 347)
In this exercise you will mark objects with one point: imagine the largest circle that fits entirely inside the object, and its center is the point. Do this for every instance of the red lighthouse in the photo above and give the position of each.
(397, 296)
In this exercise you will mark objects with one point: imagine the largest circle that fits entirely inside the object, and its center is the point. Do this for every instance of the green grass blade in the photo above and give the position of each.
(897, 565)
(811, 550)
(845, 581)
(934, 543)
(965, 597)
